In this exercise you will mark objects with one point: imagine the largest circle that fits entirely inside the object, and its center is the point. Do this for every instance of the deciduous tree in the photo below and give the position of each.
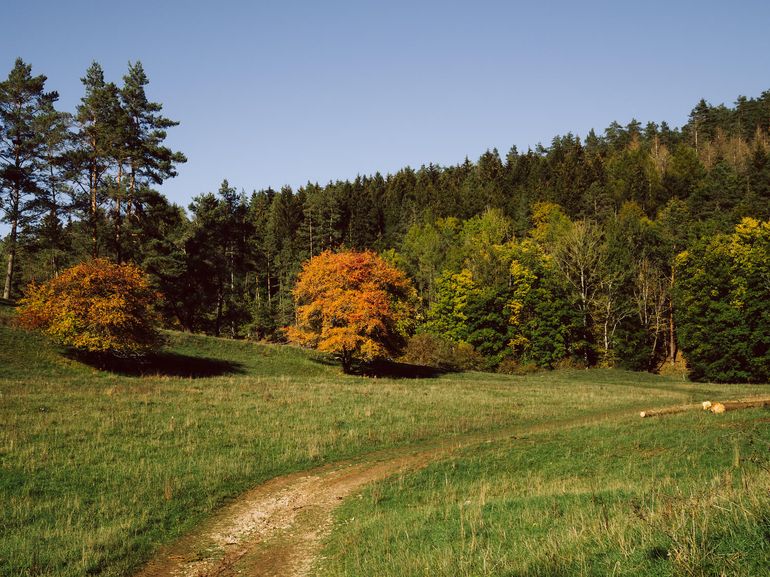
(352, 304)
(543, 322)
(723, 305)
(97, 307)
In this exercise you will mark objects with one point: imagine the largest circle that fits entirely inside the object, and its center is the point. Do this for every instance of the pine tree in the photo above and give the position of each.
(23, 134)
(149, 161)
(50, 205)
(207, 265)
(100, 128)
(285, 251)
(163, 229)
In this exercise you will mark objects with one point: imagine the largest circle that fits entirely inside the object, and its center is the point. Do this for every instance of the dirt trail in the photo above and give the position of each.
(278, 528)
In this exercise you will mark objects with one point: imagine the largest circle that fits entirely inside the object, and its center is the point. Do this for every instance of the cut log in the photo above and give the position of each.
(747, 404)
(714, 407)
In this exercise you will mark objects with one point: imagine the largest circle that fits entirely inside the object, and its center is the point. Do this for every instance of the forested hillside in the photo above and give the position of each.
(566, 253)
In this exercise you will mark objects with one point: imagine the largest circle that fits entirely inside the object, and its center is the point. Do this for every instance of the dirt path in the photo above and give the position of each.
(278, 528)
(275, 529)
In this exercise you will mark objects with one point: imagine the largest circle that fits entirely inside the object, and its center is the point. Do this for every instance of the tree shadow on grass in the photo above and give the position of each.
(325, 360)
(163, 364)
(395, 370)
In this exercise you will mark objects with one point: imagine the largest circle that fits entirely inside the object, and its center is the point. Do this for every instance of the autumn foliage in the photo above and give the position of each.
(353, 304)
(97, 307)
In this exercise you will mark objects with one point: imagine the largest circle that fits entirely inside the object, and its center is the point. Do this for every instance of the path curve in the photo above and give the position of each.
(278, 528)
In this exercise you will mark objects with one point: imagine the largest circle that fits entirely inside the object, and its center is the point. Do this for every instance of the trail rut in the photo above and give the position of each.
(278, 528)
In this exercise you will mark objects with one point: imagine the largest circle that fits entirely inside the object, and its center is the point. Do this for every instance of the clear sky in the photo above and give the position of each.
(284, 92)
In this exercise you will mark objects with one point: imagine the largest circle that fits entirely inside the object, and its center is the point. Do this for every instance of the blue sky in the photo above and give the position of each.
(273, 93)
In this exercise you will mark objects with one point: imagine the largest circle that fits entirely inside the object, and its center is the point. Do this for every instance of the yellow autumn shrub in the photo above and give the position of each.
(96, 306)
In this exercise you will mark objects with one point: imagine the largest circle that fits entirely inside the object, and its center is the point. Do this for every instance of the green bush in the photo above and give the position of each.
(431, 350)
(513, 367)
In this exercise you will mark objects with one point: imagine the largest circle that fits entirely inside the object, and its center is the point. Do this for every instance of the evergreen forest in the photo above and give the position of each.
(627, 246)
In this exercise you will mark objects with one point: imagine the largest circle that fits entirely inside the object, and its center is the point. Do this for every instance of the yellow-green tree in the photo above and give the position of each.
(722, 297)
(448, 314)
(544, 324)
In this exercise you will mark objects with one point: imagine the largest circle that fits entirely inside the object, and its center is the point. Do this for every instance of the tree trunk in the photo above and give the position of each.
(267, 280)
(346, 357)
(93, 184)
(672, 348)
(54, 217)
(118, 240)
(606, 335)
(15, 206)
(11, 258)
(220, 304)
(131, 191)
(584, 313)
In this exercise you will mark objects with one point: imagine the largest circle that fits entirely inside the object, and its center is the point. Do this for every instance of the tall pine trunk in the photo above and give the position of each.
(93, 182)
(15, 210)
(117, 217)
(269, 285)
(220, 305)
(12, 247)
(131, 190)
(53, 215)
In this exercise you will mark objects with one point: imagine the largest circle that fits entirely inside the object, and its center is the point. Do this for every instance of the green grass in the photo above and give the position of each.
(684, 495)
(98, 468)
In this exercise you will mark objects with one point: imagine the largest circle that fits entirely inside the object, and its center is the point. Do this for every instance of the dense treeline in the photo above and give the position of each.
(564, 253)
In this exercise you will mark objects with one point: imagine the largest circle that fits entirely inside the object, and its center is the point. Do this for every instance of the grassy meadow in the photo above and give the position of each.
(684, 495)
(99, 467)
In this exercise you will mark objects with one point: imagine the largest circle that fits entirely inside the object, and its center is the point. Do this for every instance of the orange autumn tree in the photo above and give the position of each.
(352, 304)
(97, 307)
